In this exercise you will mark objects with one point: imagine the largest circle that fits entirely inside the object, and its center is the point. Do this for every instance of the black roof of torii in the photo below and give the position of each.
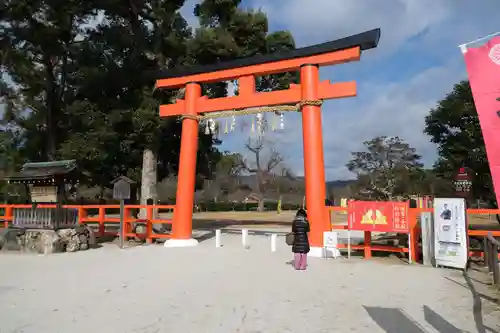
(365, 40)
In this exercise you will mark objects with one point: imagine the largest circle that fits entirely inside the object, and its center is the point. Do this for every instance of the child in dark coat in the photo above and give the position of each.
(300, 247)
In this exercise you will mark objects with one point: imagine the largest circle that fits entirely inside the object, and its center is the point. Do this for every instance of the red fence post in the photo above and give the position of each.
(414, 235)
(8, 216)
(149, 224)
(81, 215)
(102, 216)
(368, 245)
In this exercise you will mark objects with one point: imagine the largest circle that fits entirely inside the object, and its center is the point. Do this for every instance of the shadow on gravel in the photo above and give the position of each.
(477, 306)
(477, 309)
(206, 236)
(393, 320)
(439, 323)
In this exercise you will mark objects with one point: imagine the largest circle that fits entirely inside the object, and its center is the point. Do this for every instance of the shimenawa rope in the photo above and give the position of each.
(262, 109)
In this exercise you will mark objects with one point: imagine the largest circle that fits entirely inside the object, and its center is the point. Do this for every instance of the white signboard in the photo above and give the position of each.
(330, 241)
(450, 232)
(43, 193)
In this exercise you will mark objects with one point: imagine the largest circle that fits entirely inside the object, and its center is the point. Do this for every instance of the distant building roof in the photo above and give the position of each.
(42, 171)
(128, 180)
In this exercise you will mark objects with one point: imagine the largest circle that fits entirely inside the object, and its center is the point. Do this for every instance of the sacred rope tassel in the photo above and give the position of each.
(207, 127)
(273, 123)
(226, 127)
(233, 123)
(212, 125)
(217, 128)
(259, 123)
(253, 125)
(282, 121)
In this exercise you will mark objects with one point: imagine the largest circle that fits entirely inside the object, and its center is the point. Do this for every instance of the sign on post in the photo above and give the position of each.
(121, 191)
(378, 216)
(121, 188)
(450, 232)
(463, 182)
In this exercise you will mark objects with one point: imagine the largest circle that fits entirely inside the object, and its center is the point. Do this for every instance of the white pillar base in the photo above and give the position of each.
(319, 252)
(190, 242)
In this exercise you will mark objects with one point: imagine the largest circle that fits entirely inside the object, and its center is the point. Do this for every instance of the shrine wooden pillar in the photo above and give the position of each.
(183, 214)
(314, 165)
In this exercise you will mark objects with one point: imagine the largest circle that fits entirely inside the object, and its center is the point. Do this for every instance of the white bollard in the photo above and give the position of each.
(274, 238)
(217, 238)
(244, 237)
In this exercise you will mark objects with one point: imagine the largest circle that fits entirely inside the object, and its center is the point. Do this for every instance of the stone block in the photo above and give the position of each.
(43, 241)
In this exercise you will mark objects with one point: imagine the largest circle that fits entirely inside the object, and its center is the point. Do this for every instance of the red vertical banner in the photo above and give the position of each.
(378, 216)
(483, 67)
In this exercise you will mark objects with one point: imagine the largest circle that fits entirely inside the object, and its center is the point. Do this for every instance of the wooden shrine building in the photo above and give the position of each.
(47, 182)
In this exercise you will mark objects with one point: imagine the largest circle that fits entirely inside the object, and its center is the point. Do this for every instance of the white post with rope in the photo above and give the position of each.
(218, 238)
(244, 238)
(274, 238)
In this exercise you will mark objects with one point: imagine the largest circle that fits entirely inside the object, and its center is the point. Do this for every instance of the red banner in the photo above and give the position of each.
(379, 216)
(483, 66)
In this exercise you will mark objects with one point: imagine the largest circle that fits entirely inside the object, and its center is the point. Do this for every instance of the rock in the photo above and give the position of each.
(29, 240)
(3, 235)
(140, 229)
(73, 244)
(92, 241)
(47, 241)
(70, 239)
(78, 239)
(8, 238)
(39, 241)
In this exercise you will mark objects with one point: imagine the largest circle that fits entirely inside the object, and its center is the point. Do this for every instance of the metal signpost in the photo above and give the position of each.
(121, 191)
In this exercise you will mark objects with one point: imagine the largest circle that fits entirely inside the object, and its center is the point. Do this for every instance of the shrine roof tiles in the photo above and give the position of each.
(42, 170)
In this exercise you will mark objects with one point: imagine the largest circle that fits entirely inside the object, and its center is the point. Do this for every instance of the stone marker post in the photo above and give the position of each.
(427, 225)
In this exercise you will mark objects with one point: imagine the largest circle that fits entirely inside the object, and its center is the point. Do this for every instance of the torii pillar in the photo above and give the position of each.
(307, 61)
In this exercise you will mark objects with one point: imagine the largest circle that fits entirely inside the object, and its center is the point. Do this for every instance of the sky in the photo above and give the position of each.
(416, 64)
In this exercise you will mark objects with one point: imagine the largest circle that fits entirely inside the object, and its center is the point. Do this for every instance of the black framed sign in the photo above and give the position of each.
(462, 181)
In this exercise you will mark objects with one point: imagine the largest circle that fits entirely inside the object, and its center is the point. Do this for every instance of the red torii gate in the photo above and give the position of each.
(306, 60)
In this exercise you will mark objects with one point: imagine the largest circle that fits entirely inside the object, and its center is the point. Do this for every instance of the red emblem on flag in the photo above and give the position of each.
(495, 54)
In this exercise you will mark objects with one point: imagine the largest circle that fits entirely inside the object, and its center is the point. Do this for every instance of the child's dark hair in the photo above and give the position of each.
(301, 213)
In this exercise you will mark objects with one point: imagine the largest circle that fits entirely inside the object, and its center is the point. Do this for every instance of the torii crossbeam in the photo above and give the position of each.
(306, 60)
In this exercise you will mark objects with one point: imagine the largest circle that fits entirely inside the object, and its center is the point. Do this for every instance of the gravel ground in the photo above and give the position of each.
(229, 290)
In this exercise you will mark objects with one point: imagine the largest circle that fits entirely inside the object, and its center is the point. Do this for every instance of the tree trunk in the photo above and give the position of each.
(260, 208)
(148, 180)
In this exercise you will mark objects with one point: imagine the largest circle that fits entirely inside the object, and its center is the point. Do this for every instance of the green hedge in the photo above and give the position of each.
(241, 207)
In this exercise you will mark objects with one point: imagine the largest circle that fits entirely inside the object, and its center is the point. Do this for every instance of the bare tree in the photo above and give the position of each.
(227, 170)
(167, 189)
(265, 160)
(384, 168)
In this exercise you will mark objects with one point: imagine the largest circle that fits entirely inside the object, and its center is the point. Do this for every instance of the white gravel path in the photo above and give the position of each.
(229, 290)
